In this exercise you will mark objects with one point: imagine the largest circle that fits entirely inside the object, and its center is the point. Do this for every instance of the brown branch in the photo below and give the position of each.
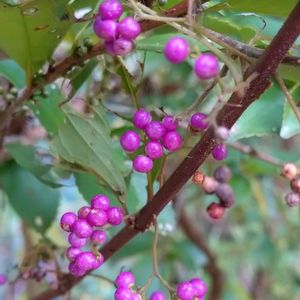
(265, 68)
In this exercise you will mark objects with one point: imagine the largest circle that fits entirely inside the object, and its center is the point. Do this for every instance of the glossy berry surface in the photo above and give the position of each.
(136, 296)
(122, 46)
(3, 279)
(72, 253)
(199, 286)
(67, 221)
(83, 212)
(75, 270)
(170, 123)
(75, 241)
(82, 229)
(155, 130)
(129, 28)
(176, 50)
(114, 215)
(172, 141)
(185, 291)
(105, 29)
(130, 141)
(220, 152)
(206, 66)
(110, 10)
(123, 293)
(154, 150)
(216, 211)
(101, 202)
(158, 295)
(141, 118)
(209, 185)
(125, 280)
(97, 217)
(199, 121)
(98, 237)
(289, 171)
(142, 164)
(109, 48)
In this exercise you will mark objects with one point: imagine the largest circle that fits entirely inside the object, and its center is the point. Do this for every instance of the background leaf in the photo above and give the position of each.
(12, 72)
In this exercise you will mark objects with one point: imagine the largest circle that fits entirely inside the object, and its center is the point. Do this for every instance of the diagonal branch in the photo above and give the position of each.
(264, 68)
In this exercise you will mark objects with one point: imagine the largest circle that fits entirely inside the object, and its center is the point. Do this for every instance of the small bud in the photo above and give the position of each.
(295, 184)
(289, 171)
(222, 174)
(292, 199)
(215, 211)
(225, 193)
(209, 184)
(198, 178)
(222, 133)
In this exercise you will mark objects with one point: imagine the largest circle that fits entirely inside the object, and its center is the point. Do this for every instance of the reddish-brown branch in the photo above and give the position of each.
(229, 114)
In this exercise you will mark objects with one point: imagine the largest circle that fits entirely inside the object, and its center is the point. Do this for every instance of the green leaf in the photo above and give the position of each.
(35, 202)
(268, 7)
(12, 72)
(32, 31)
(85, 142)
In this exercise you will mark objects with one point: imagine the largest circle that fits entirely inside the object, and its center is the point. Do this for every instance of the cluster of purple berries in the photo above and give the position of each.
(191, 290)
(82, 228)
(290, 172)
(199, 122)
(177, 50)
(118, 35)
(218, 185)
(159, 135)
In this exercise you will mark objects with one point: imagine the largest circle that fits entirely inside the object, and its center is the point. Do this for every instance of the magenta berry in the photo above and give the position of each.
(101, 202)
(82, 229)
(83, 212)
(75, 241)
(125, 280)
(3, 279)
(142, 164)
(115, 215)
(199, 121)
(172, 141)
(154, 150)
(185, 291)
(88, 260)
(109, 47)
(75, 270)
(206, 66)
(199, 286)
(72, 253)
(136, 296)
(110, 10)
(122, 46)
(97, 217)
(105, 29)
(123, 293)
(158, 295)
(220, 152)
(98, 237)
(176, 50)
(170, 123)
(155, 130)
(130, 141)
(141, 118)
(129, 28)
(67, 221)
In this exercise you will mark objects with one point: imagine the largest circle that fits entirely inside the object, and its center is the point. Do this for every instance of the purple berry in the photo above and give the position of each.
(72, 252)
(97, 217)
(83, 212)
(101, 202)
(158, 295)
(115, 215)
(82, 229)
(123, 294)
(172, 141)
(292, 199)
(185, 291)
(130, 141)
(155, 130)
(154, 150)
(75, 270)
(129, 28)
(109, 47)
(98, 237)
(141, 118)
(206, 66)
(200, 287)
(75, 241)
(122, 46)
(67, 221)
(110, 10)
(105, 29)
(3, 279)
(222, 174)
(199, 121)
(136, 296)
(220, 152)
(176, 50)
(88, 261)
(125, 280)
(170, 123)
(142, 164)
